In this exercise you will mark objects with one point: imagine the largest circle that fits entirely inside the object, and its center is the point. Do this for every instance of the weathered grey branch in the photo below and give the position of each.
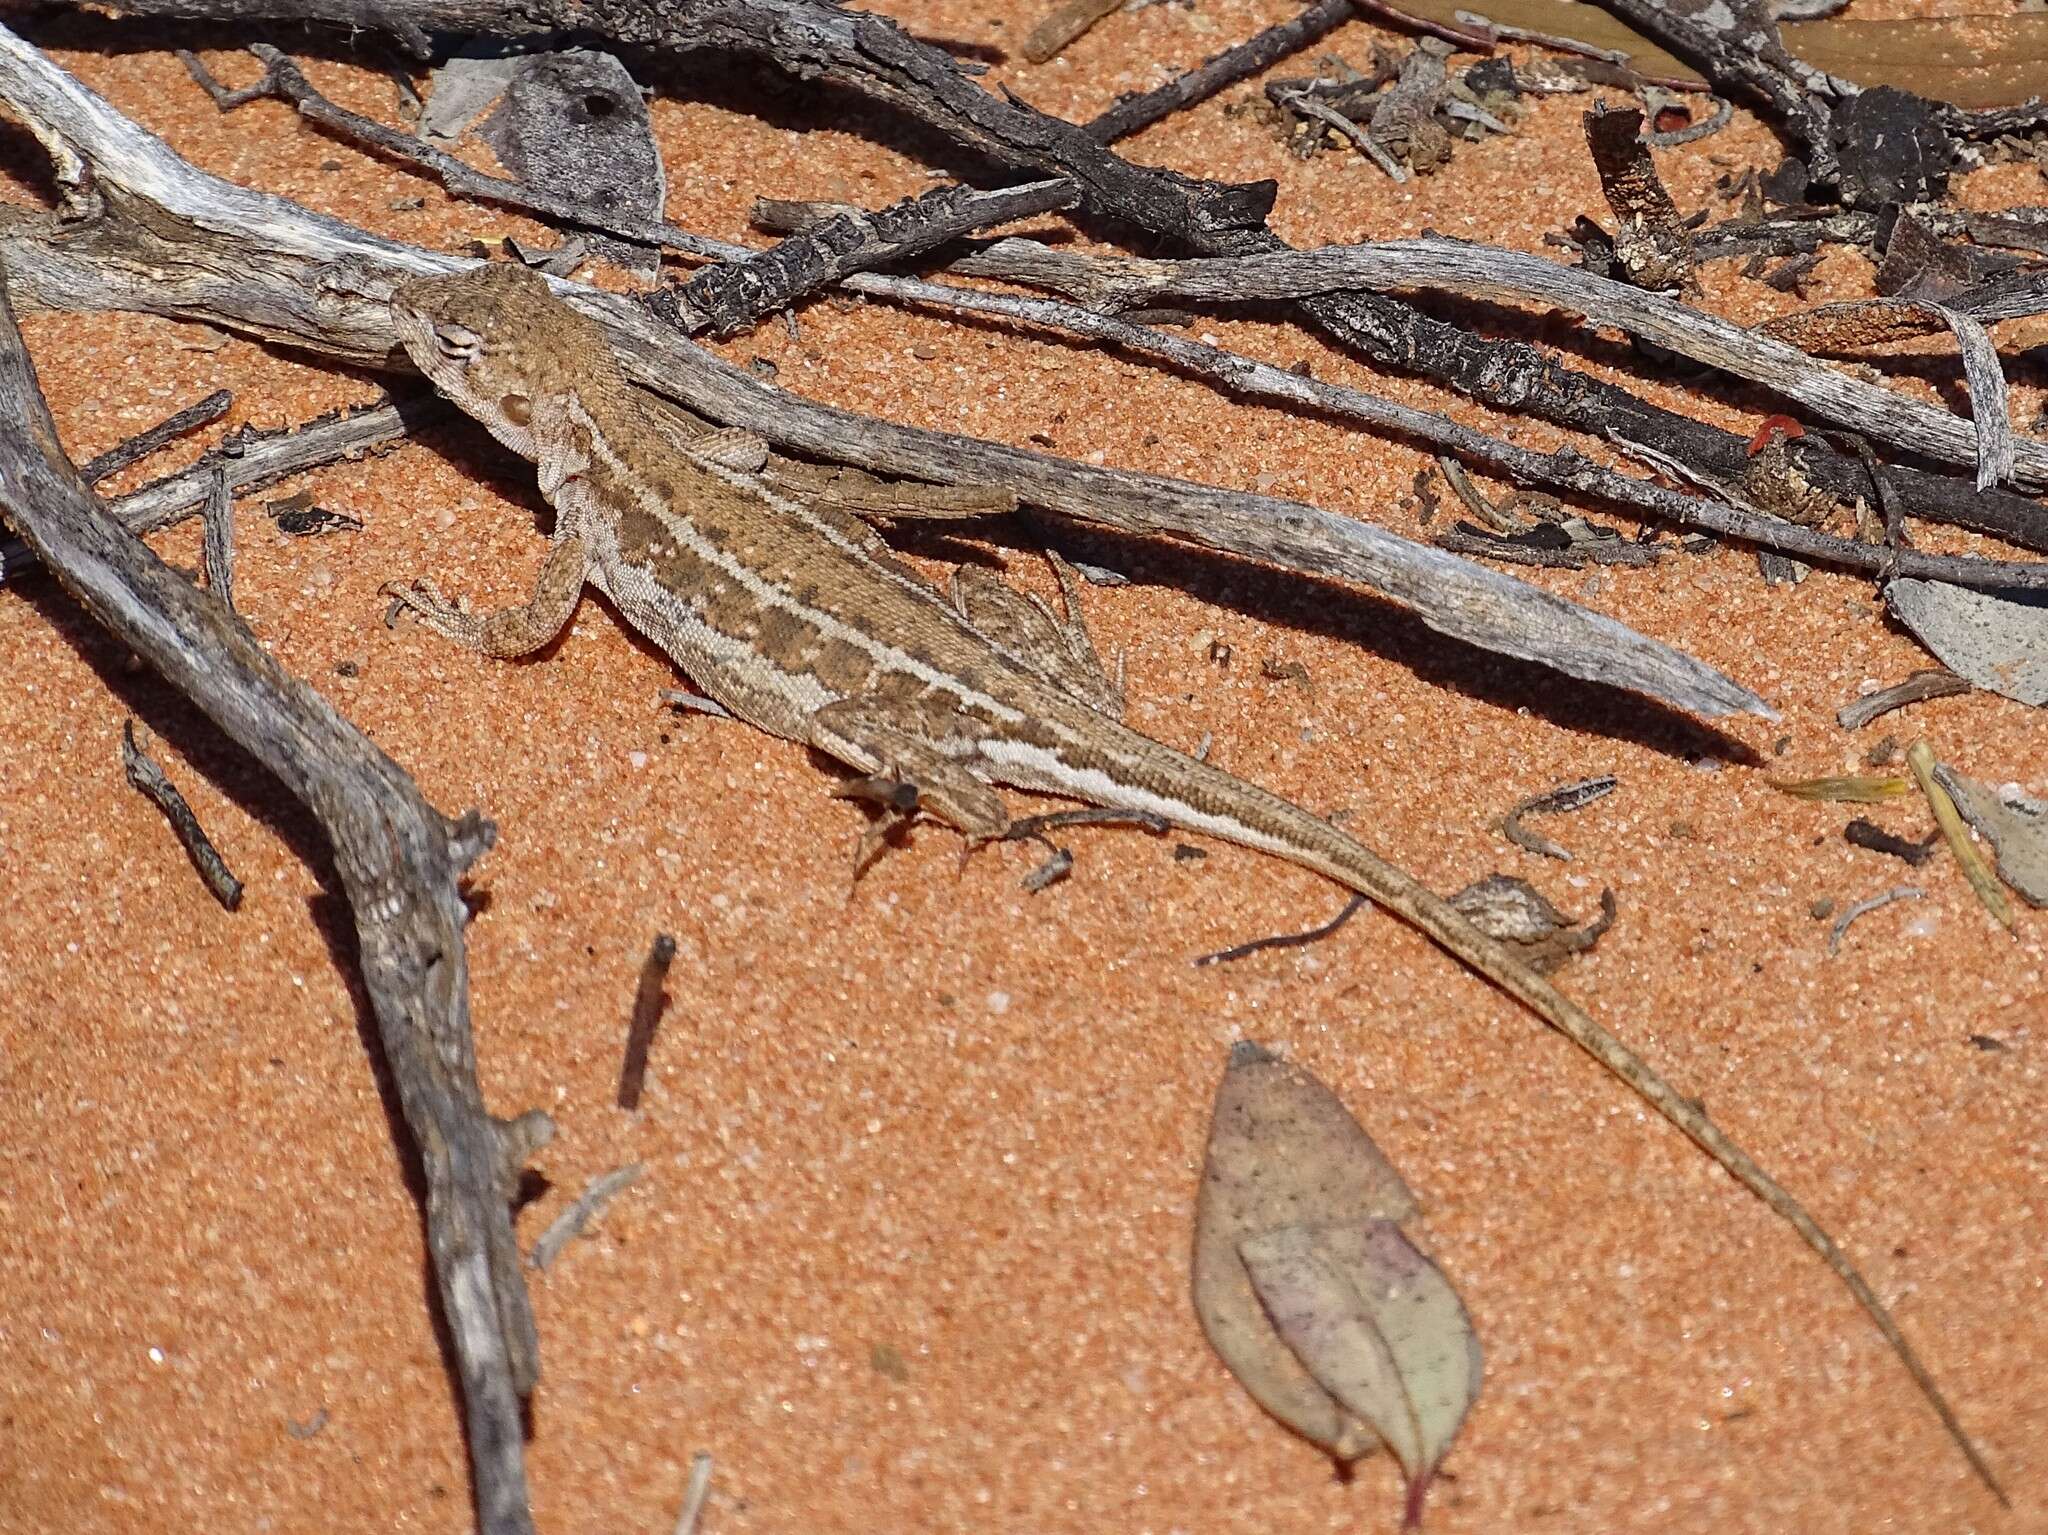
(204, 249)
(1565, 469)
(247, 461)
(399, 860)
(872, 55)
(1485, 271)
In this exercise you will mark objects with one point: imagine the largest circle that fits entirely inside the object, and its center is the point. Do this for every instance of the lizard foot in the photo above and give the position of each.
(424, 600)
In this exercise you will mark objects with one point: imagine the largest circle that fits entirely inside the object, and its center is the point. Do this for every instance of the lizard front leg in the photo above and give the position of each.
(509, 632)
(519, 630)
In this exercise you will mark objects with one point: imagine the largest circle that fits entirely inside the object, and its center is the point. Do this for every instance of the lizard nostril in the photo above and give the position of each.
(518, 409)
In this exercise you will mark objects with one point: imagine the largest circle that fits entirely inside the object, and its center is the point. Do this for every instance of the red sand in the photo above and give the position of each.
(911, 1250)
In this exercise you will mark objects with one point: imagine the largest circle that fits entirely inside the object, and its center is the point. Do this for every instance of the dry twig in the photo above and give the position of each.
(398, 860)
(146, 776)
(204, 241)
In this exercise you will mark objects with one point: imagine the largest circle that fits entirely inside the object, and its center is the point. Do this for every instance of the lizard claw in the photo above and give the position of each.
(423, 598)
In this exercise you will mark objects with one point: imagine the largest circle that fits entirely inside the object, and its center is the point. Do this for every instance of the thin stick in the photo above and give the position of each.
(1864, 908)
(1228, 67)
(647, 1004)
(145, 775)
(168, 430)
(695, 1494)
(250, 461)
(1935, 682)
(1286, 940)
(586, 1207)
(1307, 105)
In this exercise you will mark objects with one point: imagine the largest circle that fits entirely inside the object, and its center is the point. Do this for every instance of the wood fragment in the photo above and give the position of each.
(1038, 825)
(1920, 758)
(398, 861)
(143, 773)
(217, 550)
(1559, 801)
(1863, 908)
(1934, 682)
(647, 1004)
(1460, 482)
(1061, 25)
(143, 444)
(1048, 873)
(1998, 641)
(1651, 244)
(695, 1495)
(585, 1208)
(731, 295)
(1284, 940)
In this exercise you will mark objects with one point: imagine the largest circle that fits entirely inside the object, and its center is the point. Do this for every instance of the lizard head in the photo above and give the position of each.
(496, 342)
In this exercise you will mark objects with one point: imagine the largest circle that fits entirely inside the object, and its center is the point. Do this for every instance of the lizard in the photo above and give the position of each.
(795, 618)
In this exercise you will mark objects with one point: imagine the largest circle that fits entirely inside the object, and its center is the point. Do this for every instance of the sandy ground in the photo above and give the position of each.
(911, 1250)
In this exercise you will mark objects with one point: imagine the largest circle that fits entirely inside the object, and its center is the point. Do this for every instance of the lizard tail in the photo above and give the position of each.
(1224, 806)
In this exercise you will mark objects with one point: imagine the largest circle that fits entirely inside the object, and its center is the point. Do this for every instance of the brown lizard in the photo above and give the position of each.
(796, 619)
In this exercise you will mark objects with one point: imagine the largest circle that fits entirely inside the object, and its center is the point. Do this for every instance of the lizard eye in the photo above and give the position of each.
(457, 343)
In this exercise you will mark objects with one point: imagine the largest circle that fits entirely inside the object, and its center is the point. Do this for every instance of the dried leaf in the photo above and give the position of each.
(2014, 825)
(574, 122)
(1920, 758)
(1318, 1312)
(1998, 642)
(1308, 1289)
(1855, 791)
(461, 89)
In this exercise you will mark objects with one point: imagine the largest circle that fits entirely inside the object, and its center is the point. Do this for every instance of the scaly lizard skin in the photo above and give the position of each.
(796, 619)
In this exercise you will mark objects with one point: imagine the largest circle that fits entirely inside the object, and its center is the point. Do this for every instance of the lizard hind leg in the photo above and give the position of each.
(1024, 629)
(914, 762)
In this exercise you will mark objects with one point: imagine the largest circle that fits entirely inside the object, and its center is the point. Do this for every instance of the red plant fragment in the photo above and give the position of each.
(1784, 425)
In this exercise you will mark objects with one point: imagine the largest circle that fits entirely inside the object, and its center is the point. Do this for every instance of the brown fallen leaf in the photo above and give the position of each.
(1308, 1289)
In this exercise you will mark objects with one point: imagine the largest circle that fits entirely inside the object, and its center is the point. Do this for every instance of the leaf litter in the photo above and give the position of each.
(1309, 1290)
